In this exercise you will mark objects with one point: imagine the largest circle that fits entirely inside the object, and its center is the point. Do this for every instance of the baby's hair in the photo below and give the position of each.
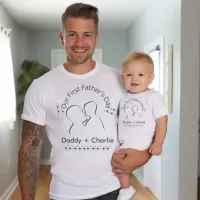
(137, 56)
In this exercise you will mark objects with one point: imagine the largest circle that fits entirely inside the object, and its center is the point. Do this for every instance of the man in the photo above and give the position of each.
(81, 153)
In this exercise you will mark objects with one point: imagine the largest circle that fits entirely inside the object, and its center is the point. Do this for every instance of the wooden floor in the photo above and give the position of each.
(44, 179)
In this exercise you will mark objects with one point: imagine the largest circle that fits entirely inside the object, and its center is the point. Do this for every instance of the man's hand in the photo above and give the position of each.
(125, 161)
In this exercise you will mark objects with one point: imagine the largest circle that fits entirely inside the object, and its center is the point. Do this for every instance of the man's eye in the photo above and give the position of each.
(72, 35)
(88, 35)
(141, 74)
(129, 75)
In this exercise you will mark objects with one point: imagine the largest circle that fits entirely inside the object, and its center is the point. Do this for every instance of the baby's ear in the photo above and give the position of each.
(151, 78)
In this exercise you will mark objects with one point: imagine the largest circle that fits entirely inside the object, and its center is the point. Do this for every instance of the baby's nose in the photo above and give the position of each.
(134, 77)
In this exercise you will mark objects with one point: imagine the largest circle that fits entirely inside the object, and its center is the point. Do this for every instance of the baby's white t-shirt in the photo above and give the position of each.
(137, 118)
(80, 114)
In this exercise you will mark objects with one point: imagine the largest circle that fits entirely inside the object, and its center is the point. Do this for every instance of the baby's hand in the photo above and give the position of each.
(156, 149)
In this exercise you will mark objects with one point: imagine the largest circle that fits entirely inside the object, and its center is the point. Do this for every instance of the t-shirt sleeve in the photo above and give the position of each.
(34, 109)
(158, 106)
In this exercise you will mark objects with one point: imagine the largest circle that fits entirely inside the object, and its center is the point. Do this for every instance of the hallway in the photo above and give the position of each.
(45, 178)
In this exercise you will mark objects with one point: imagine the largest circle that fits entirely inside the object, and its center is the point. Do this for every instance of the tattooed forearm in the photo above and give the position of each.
(28, 159)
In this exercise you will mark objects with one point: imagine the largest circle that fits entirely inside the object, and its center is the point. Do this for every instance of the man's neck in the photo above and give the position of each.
(84, 68)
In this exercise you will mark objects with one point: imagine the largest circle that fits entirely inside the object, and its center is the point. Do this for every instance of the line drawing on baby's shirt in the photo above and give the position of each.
(133, 109)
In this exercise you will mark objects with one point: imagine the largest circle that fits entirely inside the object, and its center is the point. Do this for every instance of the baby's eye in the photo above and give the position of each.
(129, 75)
(140, 74)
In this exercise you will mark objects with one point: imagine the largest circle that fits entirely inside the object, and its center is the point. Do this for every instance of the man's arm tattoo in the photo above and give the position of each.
(28, 159)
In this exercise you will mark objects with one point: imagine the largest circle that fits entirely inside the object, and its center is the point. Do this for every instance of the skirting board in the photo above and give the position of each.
(139, 177)
(45, 162)
(10, 190)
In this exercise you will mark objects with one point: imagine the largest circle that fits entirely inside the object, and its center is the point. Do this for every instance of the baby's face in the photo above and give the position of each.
(137, 76)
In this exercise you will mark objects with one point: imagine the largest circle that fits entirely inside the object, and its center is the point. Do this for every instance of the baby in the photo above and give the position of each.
(143, 115)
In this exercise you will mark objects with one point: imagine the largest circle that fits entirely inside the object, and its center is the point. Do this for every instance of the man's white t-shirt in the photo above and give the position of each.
(137, 118)
(79, 113)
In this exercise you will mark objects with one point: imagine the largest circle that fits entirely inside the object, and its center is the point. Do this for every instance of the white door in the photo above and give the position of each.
(153, 169)
(58, 56)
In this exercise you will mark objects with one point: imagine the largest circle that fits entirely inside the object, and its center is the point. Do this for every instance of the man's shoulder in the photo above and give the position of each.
(49, 76)
(45, 82)
(112, 76)
(111, 70)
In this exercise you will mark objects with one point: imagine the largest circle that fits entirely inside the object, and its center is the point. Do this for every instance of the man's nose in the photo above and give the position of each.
(79, 40)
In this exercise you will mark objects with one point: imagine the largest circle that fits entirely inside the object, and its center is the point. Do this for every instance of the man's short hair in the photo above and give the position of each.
(81, 10)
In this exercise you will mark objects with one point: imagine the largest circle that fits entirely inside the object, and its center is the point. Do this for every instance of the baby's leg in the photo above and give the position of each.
(127, 191)
(125, 181)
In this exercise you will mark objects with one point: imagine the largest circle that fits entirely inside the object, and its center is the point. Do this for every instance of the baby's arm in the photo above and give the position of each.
(161, 130)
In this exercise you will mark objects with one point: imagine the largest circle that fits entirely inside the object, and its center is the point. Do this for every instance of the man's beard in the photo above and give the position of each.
(80, 60)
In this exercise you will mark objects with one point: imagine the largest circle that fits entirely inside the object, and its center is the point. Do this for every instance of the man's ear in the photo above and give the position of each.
(61, 37)
(97, 37)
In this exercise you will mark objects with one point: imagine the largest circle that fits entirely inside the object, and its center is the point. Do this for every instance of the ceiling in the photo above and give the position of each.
(46, 14)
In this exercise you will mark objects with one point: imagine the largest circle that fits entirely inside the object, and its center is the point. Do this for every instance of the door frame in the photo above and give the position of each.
(159, 42)
(53, 54)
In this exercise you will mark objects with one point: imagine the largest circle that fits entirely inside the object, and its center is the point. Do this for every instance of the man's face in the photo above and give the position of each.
(79, 38)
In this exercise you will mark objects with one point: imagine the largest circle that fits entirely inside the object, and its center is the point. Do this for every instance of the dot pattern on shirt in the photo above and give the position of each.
(88, 148)
(133, 125)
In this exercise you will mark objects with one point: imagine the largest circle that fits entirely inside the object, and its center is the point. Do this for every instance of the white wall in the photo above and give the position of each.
(180, 149)
(9, 139)
(189, 107)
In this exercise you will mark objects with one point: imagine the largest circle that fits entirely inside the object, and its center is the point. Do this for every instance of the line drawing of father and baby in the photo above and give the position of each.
(87, 116)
